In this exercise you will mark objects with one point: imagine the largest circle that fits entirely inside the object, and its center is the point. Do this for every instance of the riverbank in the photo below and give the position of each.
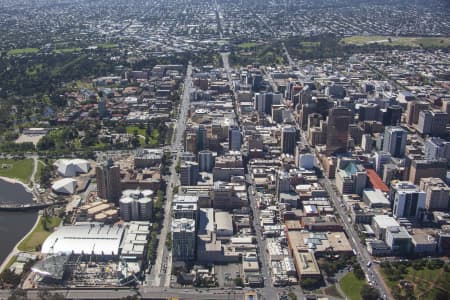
(16, 181)
(15, 250)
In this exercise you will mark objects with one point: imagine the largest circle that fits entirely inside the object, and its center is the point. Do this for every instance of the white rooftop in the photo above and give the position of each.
(85, 239)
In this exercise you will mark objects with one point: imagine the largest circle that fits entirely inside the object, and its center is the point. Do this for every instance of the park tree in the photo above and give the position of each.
(369, 293)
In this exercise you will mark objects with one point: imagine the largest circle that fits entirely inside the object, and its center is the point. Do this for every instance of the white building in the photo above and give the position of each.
(224, 224)
(408, 200)
(65, 186)
(72, 167)
(136, 205)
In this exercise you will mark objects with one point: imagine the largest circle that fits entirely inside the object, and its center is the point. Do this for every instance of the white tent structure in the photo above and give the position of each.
(72, 167)
(65, 186)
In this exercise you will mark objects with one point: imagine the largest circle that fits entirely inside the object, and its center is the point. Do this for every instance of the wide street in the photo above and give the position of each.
(163, 265)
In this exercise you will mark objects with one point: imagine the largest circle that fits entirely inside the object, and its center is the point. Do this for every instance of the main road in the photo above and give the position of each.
(363, 256)
(162, 267)
(143, 293)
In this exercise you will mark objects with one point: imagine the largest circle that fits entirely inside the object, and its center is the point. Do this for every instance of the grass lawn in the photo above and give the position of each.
(351, 286)
(22, 51)
(39, 234)
(18, 169)
(247, 45)
(424, 42)
(131, 128)
(107, 46)
(426, 282)
(309, 44)
(67, 50)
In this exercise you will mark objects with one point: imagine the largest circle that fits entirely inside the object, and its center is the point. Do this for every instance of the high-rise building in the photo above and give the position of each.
(427, 168)
(101, 107)
(408, 200)
(395, 141)
(108, 181)
(277, 113)
(437, 148)
(191, 142)
(288, 140)
(352, 179)
(136, 205)
(391, 116)
(234, 138)
(432, 122)
(264, 102)
(189, 173)
(399, 240)
(368, 112)
(381, 158)
(183, 239)
(413, 110)
(202, 138)
(205, 161)
(437, 193)
(366, 143)
(337, 130)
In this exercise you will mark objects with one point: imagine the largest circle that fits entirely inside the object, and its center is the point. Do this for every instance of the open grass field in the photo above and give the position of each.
(352, 286)
(247, 45)
(39, 234)
(18, 169)
(426, 282)
(424, 42)
(131, 128)
(107, 46)
(22, 51)
(67, 50)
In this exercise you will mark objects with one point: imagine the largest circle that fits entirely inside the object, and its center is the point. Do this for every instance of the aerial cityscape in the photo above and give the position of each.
(226, 149)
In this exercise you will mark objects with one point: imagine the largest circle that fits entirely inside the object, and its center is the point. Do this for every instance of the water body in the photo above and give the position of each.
(14, 225)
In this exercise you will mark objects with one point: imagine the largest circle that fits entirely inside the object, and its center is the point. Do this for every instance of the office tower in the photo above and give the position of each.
(101, 107)
(437, 148)
(407, 199)
(427, 168)
(437, 193)
(314, 120)
(395, 141)
(257, 80)
(205, 161)
(108, 181)
(264, 102)
(234, 138)
(188, 156)
(368, 112)
(191, 142)
(393, 115)
(189, 173)
(351, 179)
(399, 240)
(277, 113)
(381, 158)
(202, 140)
(366, 143)
(433, 123)
(337, 130)
(183, 239)
(288, 140)
(413, 109)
